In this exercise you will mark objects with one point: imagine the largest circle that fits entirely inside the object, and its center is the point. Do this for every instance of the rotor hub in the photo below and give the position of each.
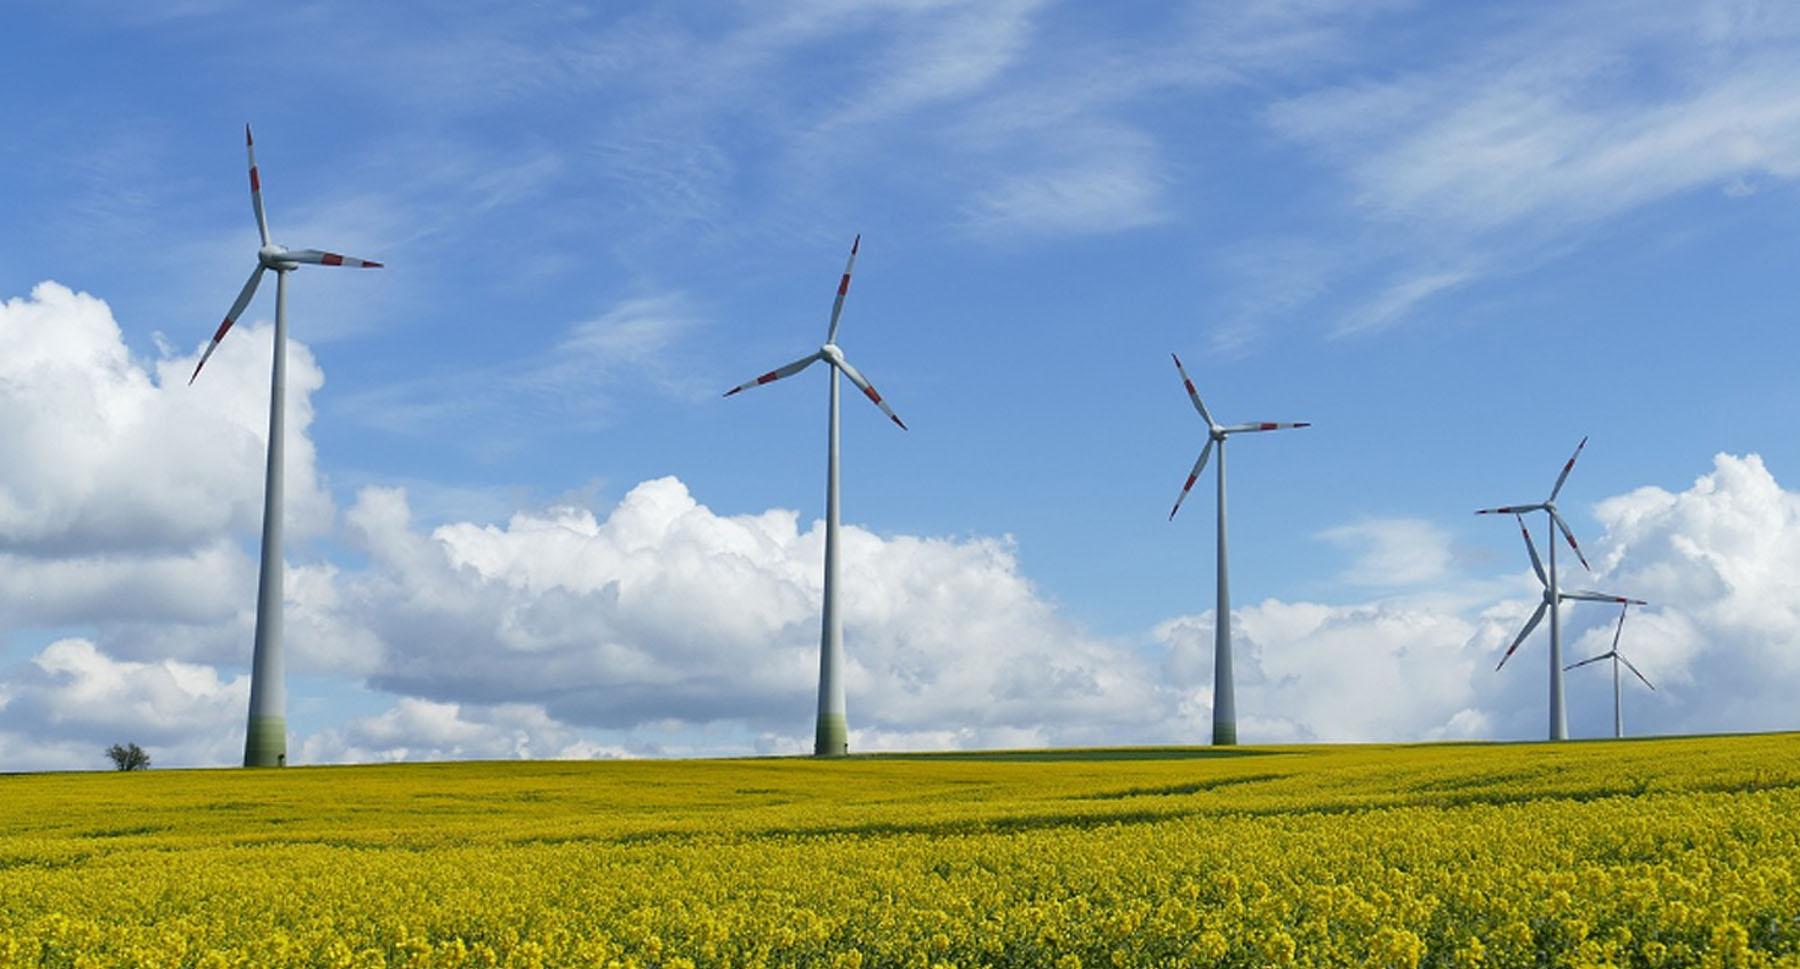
(832, 354)
(274, 257)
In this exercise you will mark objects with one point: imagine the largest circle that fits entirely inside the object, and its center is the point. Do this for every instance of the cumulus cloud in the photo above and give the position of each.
(658, 626)
(1720, 564)
(1308, 672)
(666, 611)
(107, 453)
(414, 729)
(126, 492)
(566, 634)
(65, 705)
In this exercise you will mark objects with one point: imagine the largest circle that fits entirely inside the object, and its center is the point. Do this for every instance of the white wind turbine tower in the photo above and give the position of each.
(1224, 731)
(1559, 714)
(1617, 658)
(831, 735)
(265, 739)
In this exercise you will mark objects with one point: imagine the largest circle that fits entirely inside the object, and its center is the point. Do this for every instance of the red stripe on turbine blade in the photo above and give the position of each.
(1191, 479)
(366, 264)
(765, 378)
(1267, 426)
(899, 422)
(844, 285)
(220, 333)
(855, 244)
(1189, 384)
(255, 183)
(872, 395)
(331, 259)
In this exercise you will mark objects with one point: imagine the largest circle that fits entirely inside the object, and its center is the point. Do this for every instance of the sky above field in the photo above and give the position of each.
(1457, 238)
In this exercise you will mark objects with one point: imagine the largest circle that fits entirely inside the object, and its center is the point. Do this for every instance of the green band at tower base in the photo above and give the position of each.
(1224, 734)
(833, 738)
(265, 743)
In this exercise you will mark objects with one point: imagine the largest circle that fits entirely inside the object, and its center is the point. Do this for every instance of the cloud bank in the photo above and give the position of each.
(654, 625)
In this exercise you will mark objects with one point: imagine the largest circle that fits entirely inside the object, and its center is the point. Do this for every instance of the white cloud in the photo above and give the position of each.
(666, 611)
(1521, 134)
(1104, 195)
(662, 627)
(414, 729)
(126, 493)
(1720, 564)
(1307, 672)
(110, 455)
(64, 706)
(633, 343)
(1393, 552)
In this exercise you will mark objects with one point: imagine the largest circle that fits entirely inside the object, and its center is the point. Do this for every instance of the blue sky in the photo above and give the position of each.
(1455, 237)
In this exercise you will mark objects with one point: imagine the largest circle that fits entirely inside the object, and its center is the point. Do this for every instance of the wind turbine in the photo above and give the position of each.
(831, 735)
(1559, 714)
(265, 735)
(1617, 658)
(1224, 731)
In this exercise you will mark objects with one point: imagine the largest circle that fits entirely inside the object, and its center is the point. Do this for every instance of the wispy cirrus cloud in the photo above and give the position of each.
(633, 345)
(1524, 135)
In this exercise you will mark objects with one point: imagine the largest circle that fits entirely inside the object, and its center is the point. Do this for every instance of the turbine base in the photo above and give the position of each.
(265, 742)
(833, 736)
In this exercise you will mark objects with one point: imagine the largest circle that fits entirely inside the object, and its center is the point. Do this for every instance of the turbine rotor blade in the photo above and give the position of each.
(837, 305)
(868, 389)
(1593, 659)
(1634, 671)
(1265, 426)
(1510, 510)
(321, 258)
(785, 371)
(1193, 394)
(1571, 537)
(1620, 627)
(1589, 595)
(1193, 476)
(1537, 565)
(1566, 469)
(262, 220)
(1530, 624)
(231, 316)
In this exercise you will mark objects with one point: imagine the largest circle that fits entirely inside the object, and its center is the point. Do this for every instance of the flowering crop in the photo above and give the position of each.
(1681, 852)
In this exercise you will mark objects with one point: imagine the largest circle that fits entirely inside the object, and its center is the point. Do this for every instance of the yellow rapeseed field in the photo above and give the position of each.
(1680, 852)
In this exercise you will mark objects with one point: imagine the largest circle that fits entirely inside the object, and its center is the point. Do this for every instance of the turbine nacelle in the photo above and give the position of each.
(275, 257)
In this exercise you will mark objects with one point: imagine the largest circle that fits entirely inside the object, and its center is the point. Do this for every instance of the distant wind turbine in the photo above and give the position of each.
(265, 740)
(1224, 731)
(1559, 714)
(831, 735)
(1617, 658)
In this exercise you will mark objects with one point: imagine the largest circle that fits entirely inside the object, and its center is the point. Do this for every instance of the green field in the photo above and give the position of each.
(1637, 853)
